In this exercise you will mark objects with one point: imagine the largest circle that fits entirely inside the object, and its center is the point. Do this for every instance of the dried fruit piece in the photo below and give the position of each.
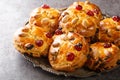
(70, 56)
(78, 47)
(107, 45)
(29, 46)
(90, 13)
(39, 42)
(116, 18)
(79, 7)
(49, 35)
(45, 6)
(58, 31)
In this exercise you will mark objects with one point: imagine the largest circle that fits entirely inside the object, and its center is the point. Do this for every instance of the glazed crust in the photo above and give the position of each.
(79, 21)
(109, 31)
(45, 18)
(25, 41)
(62, 46)
(102, 57)
(89, 6)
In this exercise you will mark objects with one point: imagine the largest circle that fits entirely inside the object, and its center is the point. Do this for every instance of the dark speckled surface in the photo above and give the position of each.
(13, 15)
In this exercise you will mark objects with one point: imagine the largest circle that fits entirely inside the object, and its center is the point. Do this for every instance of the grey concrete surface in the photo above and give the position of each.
(13, 15)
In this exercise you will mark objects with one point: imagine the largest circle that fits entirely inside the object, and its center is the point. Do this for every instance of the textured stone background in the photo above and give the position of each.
(13, 15)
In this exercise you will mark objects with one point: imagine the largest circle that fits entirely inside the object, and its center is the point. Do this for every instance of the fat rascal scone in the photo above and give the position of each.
(102, 56)
(109, 30)
(32, 40)
(82, 18)
(68, 51)
(45, 17)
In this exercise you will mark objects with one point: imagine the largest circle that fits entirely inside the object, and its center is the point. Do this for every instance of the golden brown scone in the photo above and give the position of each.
(32, 40)
(68, 51)
(102, 56)
(45, 17)
(81, 17)
(88, 7)
(109, 30)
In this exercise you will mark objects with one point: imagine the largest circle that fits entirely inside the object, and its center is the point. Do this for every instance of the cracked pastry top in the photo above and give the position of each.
(109, 30)
(45, 17)
(103, 55)
(68, 51)
(32, 40)
(82, 18)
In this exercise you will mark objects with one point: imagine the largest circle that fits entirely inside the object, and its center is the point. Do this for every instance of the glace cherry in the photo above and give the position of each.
(58, 31)
(116, 18)
(70, 56)
(39, 42)
(49, 35)
(107, 45)
(90, 13)
(78, 47)
(45, 6)
(79, 7)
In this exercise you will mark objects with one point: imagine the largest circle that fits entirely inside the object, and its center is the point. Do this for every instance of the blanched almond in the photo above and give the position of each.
(118, 27)
(85, 23)
(45, 21)
(65, 19)
(75, 20)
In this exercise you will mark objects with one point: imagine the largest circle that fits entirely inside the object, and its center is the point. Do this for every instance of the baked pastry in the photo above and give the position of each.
(68, 51)
(90, 8)
(32, 40)
(102, 56)
(82, 18)
(45, 17)
(109, 30)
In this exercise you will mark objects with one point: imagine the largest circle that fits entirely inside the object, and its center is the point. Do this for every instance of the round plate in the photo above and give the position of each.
(44, 64)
